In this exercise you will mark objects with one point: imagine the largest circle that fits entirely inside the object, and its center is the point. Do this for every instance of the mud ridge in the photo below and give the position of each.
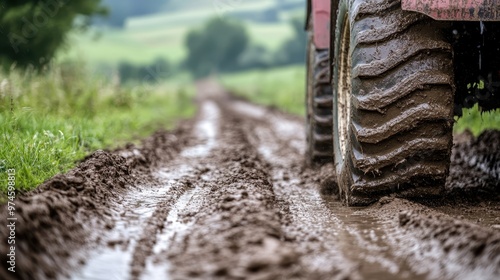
(62, 214)
(308, 227)
(41, 244)
(475, 163)
(468, 242)
(157, 149)
(446, 245)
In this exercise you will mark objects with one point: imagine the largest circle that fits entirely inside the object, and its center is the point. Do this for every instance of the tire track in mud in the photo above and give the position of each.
(165, 222)
(140, 216)
(237, 233)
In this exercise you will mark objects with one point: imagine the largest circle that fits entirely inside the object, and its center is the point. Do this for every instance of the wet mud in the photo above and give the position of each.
(475, 163)
(228, 195)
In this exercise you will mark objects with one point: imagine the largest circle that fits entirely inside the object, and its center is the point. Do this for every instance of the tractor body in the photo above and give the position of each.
(386, 79)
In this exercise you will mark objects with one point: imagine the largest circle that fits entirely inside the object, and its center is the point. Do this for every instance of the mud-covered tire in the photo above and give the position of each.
(393, 102)
(318, 107)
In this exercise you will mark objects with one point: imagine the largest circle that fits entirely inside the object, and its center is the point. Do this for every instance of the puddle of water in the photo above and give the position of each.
(175, 225)
(206, 131)
(172, 173)
(253, 111)
(114, 262)
(379, 246)
(290, 131)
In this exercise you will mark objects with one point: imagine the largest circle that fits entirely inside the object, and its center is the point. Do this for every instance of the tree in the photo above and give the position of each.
(216, 47)
(293, 50)
(120, 10)
(256, 57)
(31, 31)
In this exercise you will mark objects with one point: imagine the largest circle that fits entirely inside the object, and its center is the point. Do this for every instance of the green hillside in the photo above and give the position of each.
(162, 35)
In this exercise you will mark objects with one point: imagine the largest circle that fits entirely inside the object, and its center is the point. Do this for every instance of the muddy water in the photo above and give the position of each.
(228, 197)
(206, 131)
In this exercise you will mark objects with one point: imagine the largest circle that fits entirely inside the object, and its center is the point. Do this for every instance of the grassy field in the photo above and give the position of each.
(280, 87)
(162, 35)
(50, 121)
(110, 47)
(284, 88)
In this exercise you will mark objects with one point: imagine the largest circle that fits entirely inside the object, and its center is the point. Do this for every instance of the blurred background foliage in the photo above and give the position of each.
(196, 37)
(131, 37)
(31, 31)
(215, 47)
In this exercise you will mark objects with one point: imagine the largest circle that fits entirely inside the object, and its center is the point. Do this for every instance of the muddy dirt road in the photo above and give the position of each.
(227, 196)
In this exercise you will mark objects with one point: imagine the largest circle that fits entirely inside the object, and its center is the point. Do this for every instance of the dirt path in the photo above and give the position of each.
(227, 196)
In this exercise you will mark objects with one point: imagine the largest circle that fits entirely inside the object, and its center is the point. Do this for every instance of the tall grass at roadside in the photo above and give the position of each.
(51, 120)
(281, 87)
(477, 121)
(285, 89)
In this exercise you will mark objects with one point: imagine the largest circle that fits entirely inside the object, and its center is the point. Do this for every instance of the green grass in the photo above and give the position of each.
(284, 88)
(281, 87)
(51, 121)
(271, 35)
(114, 46)
(477, 121)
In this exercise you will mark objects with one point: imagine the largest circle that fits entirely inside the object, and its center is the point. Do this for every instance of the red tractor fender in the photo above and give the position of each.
(319, 16)
(467, 10)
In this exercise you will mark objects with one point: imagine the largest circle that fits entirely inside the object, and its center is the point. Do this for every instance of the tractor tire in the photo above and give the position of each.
(318, 107)
(393, 102)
